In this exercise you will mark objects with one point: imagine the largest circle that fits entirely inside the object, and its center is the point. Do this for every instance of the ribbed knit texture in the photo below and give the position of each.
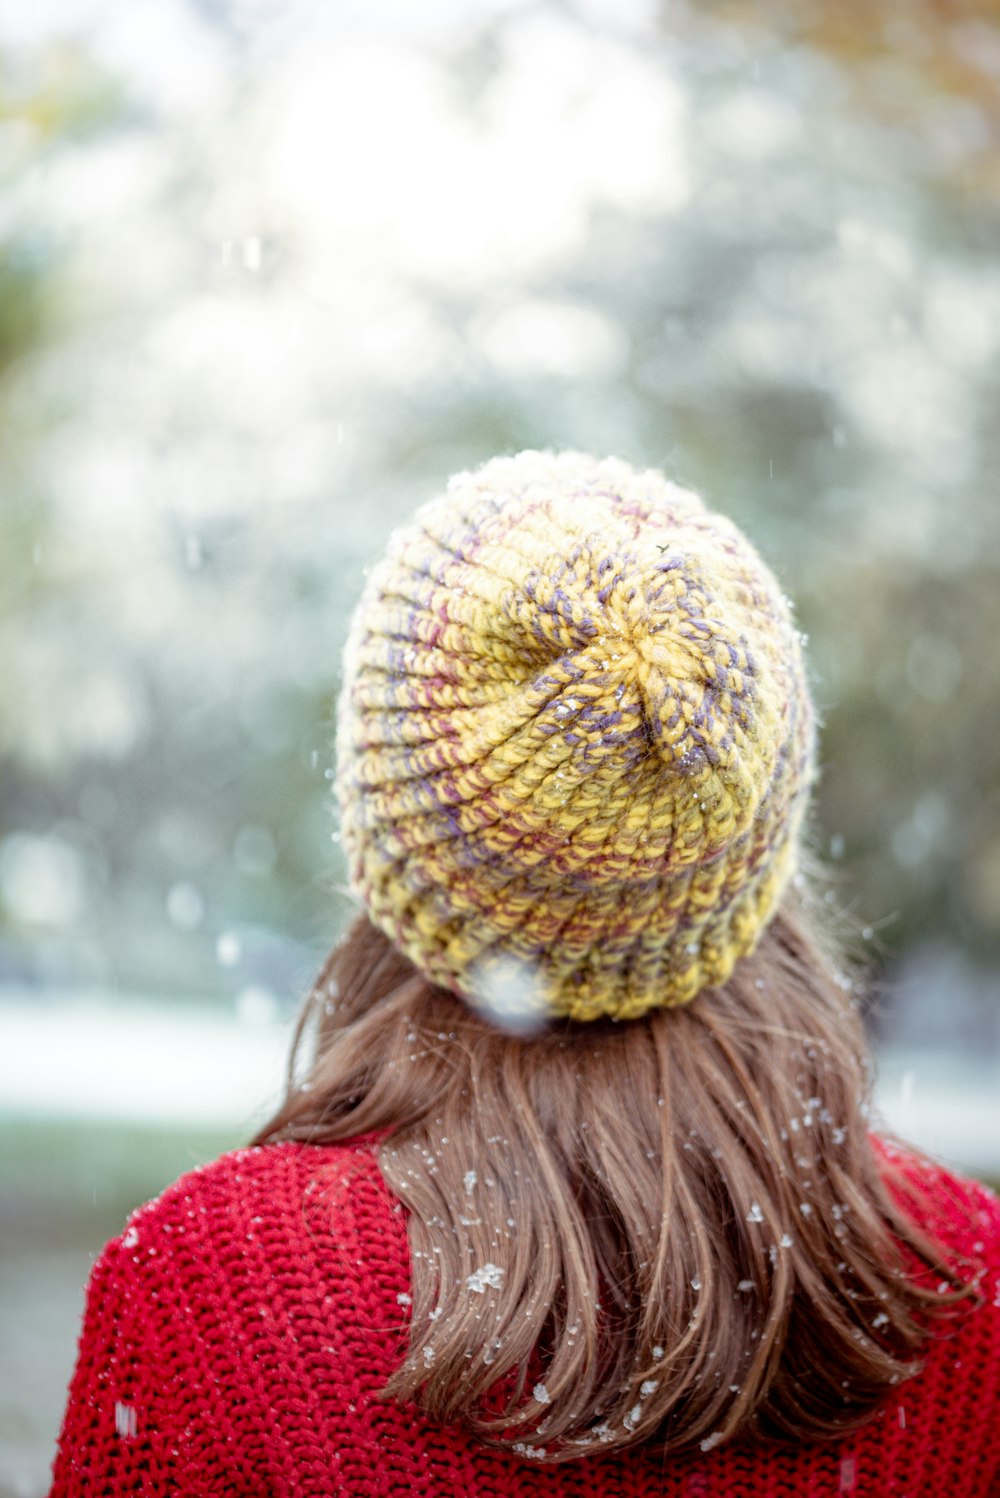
(238, 1331)
(575, 741)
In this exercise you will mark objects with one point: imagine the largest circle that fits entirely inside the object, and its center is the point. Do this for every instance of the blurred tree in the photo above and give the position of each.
(930, 68)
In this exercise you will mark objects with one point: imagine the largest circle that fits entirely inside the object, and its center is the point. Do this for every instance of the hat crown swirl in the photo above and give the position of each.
(568, 687)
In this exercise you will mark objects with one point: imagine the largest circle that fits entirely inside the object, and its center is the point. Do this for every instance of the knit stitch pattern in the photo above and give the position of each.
(239, 1331)
(575, 739)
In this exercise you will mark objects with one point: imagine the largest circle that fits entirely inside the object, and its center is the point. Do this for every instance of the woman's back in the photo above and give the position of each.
(615, 1222)
(241, 1329)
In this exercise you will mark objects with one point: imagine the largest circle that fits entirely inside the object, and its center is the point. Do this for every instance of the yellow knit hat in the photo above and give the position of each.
(575, 739)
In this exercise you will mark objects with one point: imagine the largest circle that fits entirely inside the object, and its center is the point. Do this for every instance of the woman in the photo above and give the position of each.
(575, 1191)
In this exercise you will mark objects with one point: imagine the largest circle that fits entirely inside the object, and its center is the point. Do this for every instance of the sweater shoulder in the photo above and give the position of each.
(961, 1212)
(286, 1258)
(960, 1217)
(268, 1192)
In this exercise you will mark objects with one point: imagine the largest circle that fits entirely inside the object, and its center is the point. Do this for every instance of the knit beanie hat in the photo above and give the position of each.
(575, 740)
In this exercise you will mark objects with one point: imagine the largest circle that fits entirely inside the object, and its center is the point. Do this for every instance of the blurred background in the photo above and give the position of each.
(269, 272)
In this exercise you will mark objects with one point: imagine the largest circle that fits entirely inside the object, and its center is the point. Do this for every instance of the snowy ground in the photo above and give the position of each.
(100, 1107)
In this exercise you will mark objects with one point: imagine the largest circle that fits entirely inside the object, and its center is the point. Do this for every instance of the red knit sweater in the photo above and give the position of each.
(237, 1332)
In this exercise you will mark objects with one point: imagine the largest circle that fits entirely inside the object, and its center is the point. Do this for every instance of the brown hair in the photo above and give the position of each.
(675, 1227)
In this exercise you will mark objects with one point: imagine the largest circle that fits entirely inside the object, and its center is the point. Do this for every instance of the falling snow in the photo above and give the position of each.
(126, 1421)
